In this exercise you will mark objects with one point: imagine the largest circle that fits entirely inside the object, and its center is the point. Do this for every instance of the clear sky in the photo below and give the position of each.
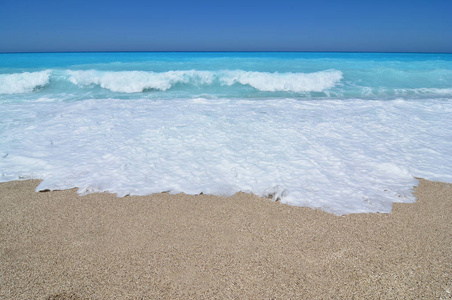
(234, 25)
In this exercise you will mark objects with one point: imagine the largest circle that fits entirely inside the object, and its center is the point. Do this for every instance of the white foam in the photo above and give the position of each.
(26, 82)
(438, 91)
(284, 82)
(340, 156)
(138, 81)
(424, 91)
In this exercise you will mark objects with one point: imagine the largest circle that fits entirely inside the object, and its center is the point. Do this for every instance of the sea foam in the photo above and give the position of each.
(26, 82)
(285, 82)
(340, 156)
(139, 81)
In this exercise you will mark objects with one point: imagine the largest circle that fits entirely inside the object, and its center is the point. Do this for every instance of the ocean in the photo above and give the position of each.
(341, 132)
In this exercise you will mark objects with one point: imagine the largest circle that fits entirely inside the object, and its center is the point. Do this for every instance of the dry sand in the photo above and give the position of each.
(58, 245)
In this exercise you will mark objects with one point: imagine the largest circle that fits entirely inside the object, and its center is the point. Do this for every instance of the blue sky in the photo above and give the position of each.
(200, 25)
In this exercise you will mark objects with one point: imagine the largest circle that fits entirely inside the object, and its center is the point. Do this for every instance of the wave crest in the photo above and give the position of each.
(138, 81)
(284, 82)
(26, 82)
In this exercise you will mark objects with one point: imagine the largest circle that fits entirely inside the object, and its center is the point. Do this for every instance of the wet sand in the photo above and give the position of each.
(58, 245)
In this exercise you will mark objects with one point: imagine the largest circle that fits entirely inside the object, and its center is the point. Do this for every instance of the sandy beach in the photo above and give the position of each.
(58, 245)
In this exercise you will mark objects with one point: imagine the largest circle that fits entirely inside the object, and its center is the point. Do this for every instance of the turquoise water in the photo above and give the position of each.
(75, 76)
(342, 132)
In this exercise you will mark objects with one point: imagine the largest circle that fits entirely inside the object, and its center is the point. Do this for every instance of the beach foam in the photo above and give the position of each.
(340, 156)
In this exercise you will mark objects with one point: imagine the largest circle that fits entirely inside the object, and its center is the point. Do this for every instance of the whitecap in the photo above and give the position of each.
(138, 81)
(25, 82)
(284, 82)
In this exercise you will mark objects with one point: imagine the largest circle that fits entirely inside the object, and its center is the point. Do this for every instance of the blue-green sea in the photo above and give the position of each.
(342, 132)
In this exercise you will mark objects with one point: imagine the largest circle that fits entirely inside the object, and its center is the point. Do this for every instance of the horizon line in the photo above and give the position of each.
(223, 51)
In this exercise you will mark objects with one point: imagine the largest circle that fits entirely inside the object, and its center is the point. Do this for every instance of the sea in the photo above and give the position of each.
(341, 132)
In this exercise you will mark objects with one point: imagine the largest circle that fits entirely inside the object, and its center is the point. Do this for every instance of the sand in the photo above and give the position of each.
(58, 245)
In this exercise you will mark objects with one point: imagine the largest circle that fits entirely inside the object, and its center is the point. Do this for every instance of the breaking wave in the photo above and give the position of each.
(139, 81)
(26, 82)
(331, 83)
(284, 82)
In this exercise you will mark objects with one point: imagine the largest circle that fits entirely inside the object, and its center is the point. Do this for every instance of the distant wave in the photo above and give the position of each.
(26, 82)
(436, 91)
(284, 82)
(381, 84)
(139, 81)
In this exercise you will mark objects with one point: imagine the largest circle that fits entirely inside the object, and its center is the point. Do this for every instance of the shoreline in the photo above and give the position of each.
(59, 244)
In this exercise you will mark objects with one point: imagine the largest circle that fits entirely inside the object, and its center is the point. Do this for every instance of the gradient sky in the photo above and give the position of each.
(234, 25)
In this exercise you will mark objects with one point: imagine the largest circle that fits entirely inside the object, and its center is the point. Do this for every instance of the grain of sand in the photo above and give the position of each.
(58, 245)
